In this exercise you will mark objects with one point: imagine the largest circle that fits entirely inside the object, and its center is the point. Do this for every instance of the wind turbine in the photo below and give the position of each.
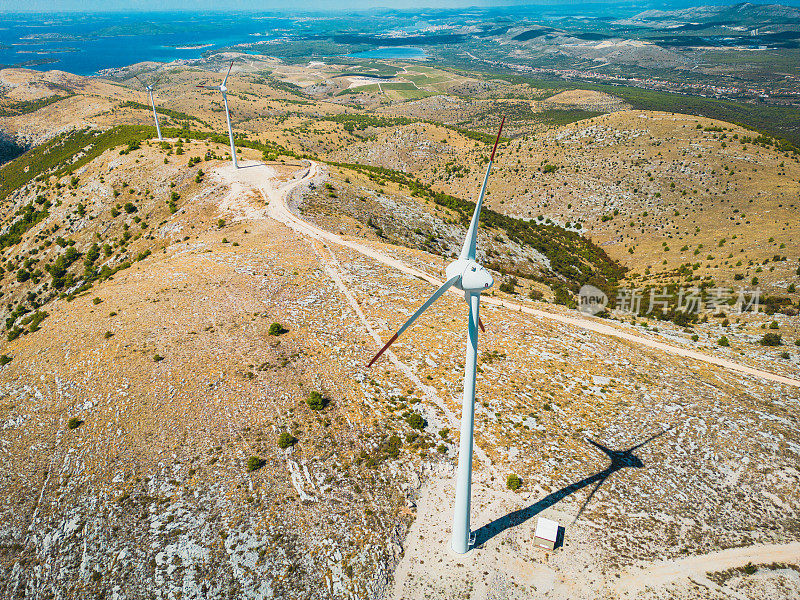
(224, 91)
(149, 89)
(470, 277)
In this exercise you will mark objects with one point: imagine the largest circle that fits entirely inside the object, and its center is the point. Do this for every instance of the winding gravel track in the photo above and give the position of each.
(260, 177)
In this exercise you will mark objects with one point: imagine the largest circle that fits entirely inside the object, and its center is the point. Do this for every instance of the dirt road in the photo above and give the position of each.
(260, 177)
(660, 573)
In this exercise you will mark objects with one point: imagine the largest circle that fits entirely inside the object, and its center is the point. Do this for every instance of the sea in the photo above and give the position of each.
(89, 43)
(86, 44)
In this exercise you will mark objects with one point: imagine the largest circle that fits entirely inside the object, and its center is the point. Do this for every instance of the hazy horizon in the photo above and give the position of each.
(145, 6)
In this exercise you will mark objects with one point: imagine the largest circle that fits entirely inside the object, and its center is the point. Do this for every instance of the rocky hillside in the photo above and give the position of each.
(185, 405)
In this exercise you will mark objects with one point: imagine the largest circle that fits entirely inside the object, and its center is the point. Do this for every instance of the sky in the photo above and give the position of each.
(224, 5)
(48, 6)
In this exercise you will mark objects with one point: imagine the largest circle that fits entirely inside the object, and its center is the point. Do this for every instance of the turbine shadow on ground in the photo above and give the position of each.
(620, 459)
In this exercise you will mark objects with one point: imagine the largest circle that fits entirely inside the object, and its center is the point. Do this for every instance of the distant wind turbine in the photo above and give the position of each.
(149, 89)
(224, 91)
(470, 277)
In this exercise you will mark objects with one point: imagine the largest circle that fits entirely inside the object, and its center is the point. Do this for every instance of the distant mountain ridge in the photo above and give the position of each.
(743, 14)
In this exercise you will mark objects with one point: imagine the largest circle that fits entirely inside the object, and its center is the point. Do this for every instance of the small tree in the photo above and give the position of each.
(393, 446)
(285, 440)
(723, 341)
(513, 482)
(254, 463)
(415, 421)
(277, 329)
(770, 339)
(316, 401)
(510, 286)
(74, 423)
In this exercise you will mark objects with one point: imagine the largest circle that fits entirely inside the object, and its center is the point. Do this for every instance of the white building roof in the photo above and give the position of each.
(546, 529)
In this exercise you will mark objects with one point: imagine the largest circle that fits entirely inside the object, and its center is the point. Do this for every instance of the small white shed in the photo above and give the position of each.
(546, 534)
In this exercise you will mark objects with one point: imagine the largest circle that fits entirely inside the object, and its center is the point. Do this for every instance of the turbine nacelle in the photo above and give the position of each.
(222, 89)
(472, 277)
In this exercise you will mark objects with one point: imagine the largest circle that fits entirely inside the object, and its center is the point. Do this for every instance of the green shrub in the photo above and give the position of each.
(723, 341)
(785, 355)
(770, 339)
(510, 286)
(393, 446)
(564, 297)
(130, 208)
(285, 440)
(254, 463)
(108, 335)
(316, 401)
(96, 301)
(513, 482)
(441, 449)
(415, 421)
(5, 359)
(74, 423)
(158, 358)
(277, 329)
(220, 223)
(750, 569)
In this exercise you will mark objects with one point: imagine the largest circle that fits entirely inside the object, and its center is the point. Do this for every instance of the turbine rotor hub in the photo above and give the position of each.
(473, 278)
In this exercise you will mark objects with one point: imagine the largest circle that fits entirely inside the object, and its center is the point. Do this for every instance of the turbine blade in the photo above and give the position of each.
(480, 324)
(140, 81)
(445, 286)
(468, 250)
(497, 140)
(227, 74)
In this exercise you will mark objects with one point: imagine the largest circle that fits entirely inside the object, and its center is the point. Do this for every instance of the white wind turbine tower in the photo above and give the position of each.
(149, 89)
(224, 91)
(470, 277)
